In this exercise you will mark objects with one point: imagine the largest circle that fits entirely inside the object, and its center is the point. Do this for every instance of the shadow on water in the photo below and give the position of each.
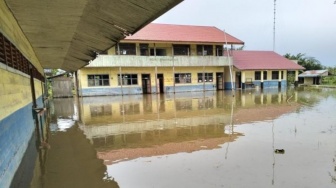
(184, 137)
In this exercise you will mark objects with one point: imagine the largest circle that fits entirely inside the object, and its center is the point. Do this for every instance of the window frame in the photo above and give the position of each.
(182, 78)
(126, 49)
(275, 75)
(219, 50)
(144, 49)
(181, 49)
(282, 75)
(208, 77)
(131, 79)
(204, 50)
(98, 78)
(100, 110)
(257, 75)
(265, 75)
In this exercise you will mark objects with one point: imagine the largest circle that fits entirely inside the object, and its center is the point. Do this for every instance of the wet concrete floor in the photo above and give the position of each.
(267, 138)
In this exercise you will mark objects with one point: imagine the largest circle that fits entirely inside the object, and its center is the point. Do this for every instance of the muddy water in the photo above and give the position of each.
(206, 139)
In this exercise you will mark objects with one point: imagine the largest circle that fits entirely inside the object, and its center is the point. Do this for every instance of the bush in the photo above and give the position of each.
(329, 80)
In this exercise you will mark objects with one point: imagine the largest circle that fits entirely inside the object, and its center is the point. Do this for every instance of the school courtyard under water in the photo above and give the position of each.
(270, 138)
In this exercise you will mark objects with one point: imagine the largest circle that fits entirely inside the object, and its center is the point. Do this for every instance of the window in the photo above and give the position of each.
(275, 75)
(282, 75)
(144, 51)
(265, 75)
(205, 103)
(204, 50)
(208, 77)
(257, 75)
(126, 49)
(182, 78)
(181, 49)
(219, 50)
(128, 79)
(129, 109)
(98, 80)
(100, 110)
(183, 104)
(158, 52)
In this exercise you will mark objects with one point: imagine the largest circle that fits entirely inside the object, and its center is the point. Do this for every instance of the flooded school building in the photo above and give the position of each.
(166, 58)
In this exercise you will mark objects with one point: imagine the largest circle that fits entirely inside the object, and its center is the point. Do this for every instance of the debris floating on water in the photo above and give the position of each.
(279, 151)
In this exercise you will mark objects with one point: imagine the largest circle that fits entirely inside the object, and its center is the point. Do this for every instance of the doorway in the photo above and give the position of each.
(238, 80)
(220, 81)
(146, 84)
(160, 82)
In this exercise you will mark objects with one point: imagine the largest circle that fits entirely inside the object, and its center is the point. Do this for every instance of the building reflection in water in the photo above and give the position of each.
(128, 127)
(122, 128)
(71, 161)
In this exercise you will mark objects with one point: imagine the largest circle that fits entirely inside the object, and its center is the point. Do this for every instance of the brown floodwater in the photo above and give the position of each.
(271, 138)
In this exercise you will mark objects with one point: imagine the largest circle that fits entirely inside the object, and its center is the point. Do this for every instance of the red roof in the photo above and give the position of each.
(262, 60)
(183, 33)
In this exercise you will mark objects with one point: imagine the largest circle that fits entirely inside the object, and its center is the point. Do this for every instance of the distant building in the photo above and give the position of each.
(264, 69)
(164, 58)
(313, 77)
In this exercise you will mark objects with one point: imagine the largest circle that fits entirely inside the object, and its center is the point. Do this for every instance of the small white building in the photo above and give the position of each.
(312, 77)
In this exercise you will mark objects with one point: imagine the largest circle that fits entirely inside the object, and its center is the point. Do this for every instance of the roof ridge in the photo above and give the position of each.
(183, 25)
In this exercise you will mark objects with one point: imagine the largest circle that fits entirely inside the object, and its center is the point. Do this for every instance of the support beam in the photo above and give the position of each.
(32, 85)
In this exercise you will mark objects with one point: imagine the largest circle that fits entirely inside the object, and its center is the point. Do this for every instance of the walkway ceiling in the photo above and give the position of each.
(67, 34)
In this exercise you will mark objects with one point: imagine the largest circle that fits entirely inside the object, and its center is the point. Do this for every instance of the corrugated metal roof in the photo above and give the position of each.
(183, 33)
(314, 73)
(67, 34)
(262, 60)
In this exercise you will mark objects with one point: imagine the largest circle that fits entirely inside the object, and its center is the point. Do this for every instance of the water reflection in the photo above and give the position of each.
(128, 127)
(194, 140)
(62, 113)
(137, 126)
(71, 160)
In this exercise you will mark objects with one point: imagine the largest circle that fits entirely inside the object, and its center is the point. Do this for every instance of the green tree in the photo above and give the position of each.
(310, 63)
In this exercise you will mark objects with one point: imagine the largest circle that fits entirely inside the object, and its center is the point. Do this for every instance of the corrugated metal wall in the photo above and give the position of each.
(62, 87)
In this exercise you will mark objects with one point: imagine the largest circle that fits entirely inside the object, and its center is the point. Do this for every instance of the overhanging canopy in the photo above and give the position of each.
(67, 34)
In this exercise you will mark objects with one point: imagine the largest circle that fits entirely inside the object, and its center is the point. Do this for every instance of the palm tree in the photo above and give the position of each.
(310, 63)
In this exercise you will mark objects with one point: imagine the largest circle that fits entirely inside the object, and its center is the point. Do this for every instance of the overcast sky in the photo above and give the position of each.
(302, 26)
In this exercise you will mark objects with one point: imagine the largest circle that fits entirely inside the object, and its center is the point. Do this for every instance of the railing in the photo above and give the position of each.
(158, 61)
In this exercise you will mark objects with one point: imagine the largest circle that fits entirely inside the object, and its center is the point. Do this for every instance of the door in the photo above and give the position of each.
(220, 81)
(238, 80)
(146, 84)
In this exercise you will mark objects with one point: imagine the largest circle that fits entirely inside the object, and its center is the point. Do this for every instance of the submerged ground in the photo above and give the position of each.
(270, 138)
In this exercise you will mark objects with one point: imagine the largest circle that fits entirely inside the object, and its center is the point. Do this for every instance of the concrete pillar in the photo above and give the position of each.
(137, 49)
(173, 68)
(279, 79)
(32, 85)
(262, 80)
(121, 81)
(76, 84)
(156, 86)
(296, 83)
(243, 100)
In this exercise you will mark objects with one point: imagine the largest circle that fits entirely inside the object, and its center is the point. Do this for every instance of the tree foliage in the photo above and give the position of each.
(310, 63)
